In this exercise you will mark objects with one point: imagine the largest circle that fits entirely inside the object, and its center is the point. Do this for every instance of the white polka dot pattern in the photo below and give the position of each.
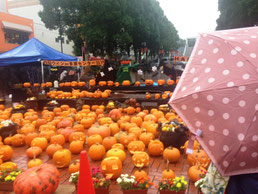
(218, 94)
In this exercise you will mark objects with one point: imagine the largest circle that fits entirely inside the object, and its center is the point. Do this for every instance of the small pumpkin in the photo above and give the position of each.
(57, 139)
(126, 83)
(30, 137)
(126, 138)
(92, 82)
(137, 83)
(74, 167)
(115, 114)
(102, 83)
(148, 82)
(8, 166)
(77, 136)
(62, 158)
(97, 152)
(103, 130)
(34, 162)
(194, 173)
(117, 84)
(161, 82)
(33, 152)
(157, 96)
(26, 85)
(170, 82)
(118, 146)
(111, 165)
(18, 140)
(110, 83)
(140, 174)
(148, 96)
(146, 138)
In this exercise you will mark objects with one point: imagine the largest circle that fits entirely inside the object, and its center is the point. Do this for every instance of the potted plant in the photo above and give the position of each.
(169, 186)
(101, 183)
(130, 185)
(7, 177)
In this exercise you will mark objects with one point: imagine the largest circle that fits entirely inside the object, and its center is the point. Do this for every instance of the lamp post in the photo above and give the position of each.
(60, 37)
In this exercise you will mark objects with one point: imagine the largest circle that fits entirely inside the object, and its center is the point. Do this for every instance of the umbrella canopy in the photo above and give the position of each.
(32, 51)
(218, 94)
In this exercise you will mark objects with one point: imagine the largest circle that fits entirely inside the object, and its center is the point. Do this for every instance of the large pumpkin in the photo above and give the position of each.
(194, 173)
(112, 166)
(103, 130)
(155, 148)
(140, 159)
(198, 156)
(43, 179)
(62, 158)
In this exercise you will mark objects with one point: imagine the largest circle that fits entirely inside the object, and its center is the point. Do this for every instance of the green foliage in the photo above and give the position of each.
(111, 25)
(237, 14)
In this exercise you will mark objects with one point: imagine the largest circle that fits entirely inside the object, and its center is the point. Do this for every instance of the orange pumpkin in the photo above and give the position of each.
(7, 152)
(114, 128)
(78, 127)
(155, 148)
(148, 82)
(194, 173)
(30, 137)
(108, 142)
(148, 96)
(117, 84)
(93, 139)
(126, 138)
(126, 83)
(115, 114)
(171, 154)
(137, 120)
(198, 156)
(33, 152)
(130, 110)
(52, 148)
(26, 85)
(92, 82)
(57, 139)
(140, 174)
(134, 146)
(146, 138)
(116, 152)
(103, 130)
(8, 166)
(97, 152)
(74, 167)
(77, 136)
(137, 83)
(140, 159)
(118, 146)
(170, 82)
(102, 83)
(157, 96)
(81, 84)
(76, 146)
(111, 165)
(168, 174)
(34, 162)
(40, 142)
(110, 83)
(62, 158)
(161, 82)
(18, 140)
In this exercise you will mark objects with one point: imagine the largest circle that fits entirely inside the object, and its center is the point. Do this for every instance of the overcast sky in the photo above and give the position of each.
(191, 17)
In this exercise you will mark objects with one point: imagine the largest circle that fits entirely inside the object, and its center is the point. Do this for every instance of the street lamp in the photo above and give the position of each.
(60, 37)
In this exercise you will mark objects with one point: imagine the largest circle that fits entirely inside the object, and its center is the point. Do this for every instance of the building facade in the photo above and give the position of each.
(14, 30)
(30, 9)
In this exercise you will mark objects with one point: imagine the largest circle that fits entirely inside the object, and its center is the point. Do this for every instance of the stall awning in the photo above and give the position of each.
(18, 27)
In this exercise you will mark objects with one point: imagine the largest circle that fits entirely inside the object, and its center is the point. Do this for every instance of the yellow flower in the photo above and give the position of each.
(177, 178)
(182, 178)
(178, 185)
(147, 186)
(12, 173)
(184, 182)
(13, 178)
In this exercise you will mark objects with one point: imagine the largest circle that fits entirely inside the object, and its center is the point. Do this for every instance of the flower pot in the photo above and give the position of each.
(135, 191)
(6, 186)
(102, 190)
(171, 192)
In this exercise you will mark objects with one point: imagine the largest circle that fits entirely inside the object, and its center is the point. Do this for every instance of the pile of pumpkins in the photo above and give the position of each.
(106, 134)
(78, 94)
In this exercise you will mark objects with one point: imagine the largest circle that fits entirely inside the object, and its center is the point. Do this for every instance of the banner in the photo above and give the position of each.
(74, 63)
(182, 58)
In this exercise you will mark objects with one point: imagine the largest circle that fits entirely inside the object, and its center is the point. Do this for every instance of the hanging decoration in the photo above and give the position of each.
(110, 69)
(154, 68)
(74, 63)
(102, 74)
(140, 72)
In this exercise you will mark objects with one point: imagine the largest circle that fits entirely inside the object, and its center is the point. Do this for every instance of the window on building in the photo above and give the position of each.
(15, 37)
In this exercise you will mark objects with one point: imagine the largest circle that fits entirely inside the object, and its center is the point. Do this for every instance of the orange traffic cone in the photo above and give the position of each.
(85, 184)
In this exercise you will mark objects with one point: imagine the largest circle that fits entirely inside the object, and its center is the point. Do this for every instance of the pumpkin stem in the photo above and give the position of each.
(198, 164)
(167, 166)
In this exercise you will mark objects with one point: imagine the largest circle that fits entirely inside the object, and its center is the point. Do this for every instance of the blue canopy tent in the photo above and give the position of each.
(32, 52)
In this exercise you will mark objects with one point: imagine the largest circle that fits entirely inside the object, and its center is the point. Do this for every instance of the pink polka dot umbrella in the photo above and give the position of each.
(218, 94)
